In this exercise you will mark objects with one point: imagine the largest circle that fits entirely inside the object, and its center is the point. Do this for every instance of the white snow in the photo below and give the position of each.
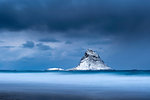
(91, 61)
(55, 69)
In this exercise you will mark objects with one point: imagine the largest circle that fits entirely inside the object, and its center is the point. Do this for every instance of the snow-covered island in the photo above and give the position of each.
(90, 61)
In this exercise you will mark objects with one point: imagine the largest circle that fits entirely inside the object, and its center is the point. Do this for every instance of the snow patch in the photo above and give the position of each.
(55, 69)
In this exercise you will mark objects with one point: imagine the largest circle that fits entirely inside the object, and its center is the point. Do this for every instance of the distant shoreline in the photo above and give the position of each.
(70, 70)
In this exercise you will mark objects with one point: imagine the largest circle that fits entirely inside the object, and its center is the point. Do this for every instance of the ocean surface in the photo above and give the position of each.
(75, 85)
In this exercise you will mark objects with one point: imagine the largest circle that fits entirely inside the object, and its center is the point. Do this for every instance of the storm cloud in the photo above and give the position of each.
(43, 47)
(28, 44)
(49, 40)
(106, 17)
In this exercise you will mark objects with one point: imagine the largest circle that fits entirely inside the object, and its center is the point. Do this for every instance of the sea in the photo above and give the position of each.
(75, 85)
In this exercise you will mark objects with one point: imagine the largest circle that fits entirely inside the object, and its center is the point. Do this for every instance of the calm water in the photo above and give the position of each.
(95, 85)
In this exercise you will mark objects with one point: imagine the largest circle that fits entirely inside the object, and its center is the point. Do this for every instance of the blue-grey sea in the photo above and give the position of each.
(75, 85)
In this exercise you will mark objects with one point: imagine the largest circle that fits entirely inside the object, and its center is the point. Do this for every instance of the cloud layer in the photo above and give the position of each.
(118, 17)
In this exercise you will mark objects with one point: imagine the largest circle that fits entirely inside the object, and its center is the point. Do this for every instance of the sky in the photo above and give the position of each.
(39, 34)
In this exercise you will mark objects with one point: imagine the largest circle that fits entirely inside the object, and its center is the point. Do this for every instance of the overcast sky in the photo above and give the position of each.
(38, 34)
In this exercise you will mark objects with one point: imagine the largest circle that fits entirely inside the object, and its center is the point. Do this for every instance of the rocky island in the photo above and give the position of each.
(90, 61)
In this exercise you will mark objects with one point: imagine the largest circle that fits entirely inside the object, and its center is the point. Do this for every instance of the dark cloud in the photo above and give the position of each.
(104, 42)
(28, 44)
(68, 42)
(118, 17)
(7, 47)
(49, 40)
(42, 46)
